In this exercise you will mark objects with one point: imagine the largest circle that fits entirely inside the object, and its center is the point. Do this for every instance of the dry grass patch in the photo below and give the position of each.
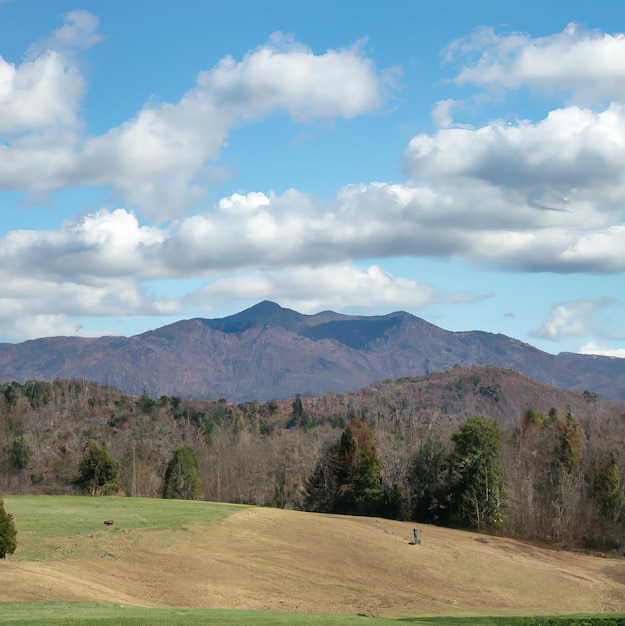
(274, 560)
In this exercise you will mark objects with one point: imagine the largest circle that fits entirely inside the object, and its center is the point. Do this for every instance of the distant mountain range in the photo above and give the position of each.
(268, 352)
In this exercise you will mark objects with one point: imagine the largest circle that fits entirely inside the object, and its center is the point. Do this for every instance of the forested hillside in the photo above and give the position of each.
(557, 457)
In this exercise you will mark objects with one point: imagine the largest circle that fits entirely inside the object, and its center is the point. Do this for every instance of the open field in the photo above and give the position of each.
(199, 555)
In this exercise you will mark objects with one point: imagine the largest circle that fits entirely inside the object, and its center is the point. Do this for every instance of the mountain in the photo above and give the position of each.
(270, 352)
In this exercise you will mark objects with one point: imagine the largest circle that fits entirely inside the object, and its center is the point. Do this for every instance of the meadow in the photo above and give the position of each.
(185, 562)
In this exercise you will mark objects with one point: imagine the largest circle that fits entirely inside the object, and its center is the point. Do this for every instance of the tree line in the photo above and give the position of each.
(552, 474)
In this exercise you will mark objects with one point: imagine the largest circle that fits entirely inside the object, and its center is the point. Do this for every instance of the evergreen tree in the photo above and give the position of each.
(609, 492)
(477, 488)
(20, 454)
(571, 443)
(98, 473)
(8, 534)
(427, 478)
(182, 477)
(348, 477)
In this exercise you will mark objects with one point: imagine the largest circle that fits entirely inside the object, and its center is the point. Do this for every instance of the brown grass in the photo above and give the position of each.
(269, 559)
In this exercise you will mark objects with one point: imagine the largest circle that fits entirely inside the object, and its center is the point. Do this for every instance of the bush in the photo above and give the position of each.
(98, 472)
(8, 534)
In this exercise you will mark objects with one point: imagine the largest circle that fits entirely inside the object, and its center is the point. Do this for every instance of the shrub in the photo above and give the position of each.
(98, 473)
(8, 534)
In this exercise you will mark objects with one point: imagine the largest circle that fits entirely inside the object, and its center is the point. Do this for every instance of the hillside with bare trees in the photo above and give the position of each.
(562, 453)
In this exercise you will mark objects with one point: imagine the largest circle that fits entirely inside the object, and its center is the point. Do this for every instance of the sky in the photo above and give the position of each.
(464, 162)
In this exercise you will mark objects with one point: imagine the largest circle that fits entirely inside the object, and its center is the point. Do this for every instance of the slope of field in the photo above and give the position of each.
(163, 553)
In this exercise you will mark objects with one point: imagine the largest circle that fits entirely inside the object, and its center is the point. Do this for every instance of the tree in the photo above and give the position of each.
(8, 534)
(348, 477)
(98, 472)
(609, 492)
(427, 479)
(571, 446)
(20, 454)
(476, 476)
(182, 477)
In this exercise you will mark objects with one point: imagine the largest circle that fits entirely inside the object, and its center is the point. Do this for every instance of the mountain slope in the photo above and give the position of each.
(270, 352)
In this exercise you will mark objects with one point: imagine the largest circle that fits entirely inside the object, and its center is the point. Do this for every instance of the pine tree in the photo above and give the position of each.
(182, 477)
(477, 485)
(348, 477)
(609, 492)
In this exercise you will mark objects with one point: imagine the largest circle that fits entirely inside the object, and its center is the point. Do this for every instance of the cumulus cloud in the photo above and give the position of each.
(582, 318)
(587, 64)
(41, 94)
(542, 195)
(567, 167)
(36, 307)
(336, 287)
(157, 161)
(99, 245)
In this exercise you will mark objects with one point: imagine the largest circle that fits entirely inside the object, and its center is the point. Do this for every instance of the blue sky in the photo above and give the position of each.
(161, 161)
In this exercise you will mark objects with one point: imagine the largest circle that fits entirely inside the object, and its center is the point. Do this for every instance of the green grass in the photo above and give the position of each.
(40, 520)
(91, 613)
(123, 615)
(75, 515)
(43, 521)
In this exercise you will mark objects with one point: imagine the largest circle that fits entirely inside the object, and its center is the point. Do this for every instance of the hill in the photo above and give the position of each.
(266, 453)
(187, 554)
(270, 352)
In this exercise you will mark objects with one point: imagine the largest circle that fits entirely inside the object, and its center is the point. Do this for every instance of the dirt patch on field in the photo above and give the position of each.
(269, 559)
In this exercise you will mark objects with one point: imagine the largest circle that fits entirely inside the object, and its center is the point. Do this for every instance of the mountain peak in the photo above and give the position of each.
(265, 314)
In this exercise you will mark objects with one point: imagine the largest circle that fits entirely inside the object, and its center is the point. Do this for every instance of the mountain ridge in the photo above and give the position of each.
(270, 352)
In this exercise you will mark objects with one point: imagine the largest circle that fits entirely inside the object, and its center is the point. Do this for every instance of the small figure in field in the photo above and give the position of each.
(109, 522)
(417, 536)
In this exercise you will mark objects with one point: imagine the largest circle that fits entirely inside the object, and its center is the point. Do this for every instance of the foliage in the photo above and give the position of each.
(609, 492)
(8, 533)
(476, 479)
(20, 454)
(145, 404)
(98, 473)
(299, 418)
(182, 477)
(533, 418)
(348, 477)
(571, 444)
(427, 479)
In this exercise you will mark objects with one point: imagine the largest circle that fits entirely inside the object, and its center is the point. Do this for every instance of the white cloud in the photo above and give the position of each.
(594, 348)
(285, 75)
(310, 290)
(39, 94)
(568, 166)
(99, 245)
(588, 65)
(33, 306)
(442, 112)
(78, 31)
(579, 318)
(158, 160)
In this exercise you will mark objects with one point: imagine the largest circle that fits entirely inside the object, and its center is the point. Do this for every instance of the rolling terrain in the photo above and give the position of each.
(163, 553)
(268, 352)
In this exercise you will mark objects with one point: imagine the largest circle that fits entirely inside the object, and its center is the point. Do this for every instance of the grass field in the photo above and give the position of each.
(181, 562)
